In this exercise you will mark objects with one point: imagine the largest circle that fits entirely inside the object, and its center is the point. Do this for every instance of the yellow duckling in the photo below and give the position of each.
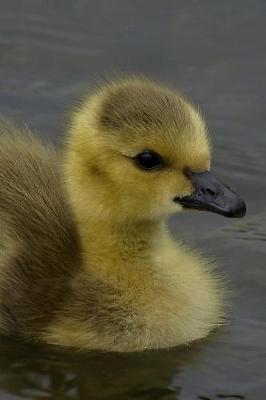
(86, 259)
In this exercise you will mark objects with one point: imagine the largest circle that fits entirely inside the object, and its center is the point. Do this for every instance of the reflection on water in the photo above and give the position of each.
(35, 372)
(51, 52)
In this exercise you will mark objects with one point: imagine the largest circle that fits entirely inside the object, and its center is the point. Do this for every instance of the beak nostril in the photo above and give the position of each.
(210, 192)
(207, 191)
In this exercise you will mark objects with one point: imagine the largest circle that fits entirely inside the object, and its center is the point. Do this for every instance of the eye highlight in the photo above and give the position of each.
(149, 160)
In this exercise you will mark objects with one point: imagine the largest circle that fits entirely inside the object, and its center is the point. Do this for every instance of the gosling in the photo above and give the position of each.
(86, 259)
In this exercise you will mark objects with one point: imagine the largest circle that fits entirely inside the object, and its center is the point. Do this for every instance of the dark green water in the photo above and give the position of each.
(51, 52)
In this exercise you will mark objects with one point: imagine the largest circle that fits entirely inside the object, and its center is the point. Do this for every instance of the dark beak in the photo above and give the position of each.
(213, 195)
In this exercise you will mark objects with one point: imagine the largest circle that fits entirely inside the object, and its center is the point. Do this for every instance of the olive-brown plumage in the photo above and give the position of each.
(86, 259)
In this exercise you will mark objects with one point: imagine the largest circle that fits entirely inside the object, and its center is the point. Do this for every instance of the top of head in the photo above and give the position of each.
(136, 114)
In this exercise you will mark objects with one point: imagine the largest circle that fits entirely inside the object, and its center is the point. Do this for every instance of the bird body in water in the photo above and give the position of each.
(86, 259)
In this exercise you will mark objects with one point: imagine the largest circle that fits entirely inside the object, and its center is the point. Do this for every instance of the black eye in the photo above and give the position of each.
(149, 160)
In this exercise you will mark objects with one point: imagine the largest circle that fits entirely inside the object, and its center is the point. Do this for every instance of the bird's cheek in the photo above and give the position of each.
(182, 185)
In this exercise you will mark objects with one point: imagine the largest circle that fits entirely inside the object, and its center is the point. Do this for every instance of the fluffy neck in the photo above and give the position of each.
(110, 241)
(119, 248)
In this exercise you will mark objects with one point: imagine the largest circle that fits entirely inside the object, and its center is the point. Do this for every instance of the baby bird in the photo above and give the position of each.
(86, 259)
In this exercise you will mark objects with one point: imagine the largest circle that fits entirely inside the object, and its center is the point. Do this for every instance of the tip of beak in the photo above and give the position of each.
(238, 211)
